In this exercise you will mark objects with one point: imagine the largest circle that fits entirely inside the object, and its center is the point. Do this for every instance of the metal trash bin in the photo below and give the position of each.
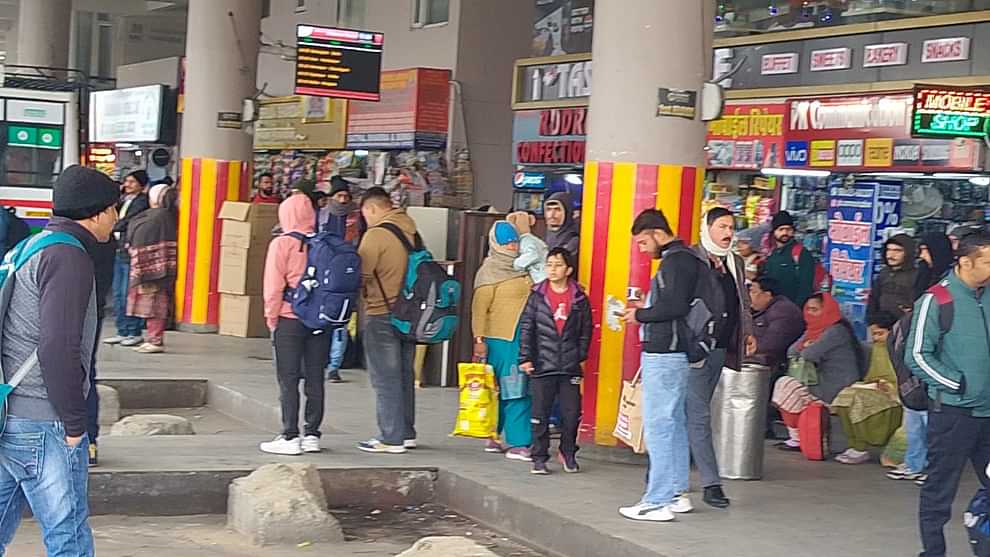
(739, 414)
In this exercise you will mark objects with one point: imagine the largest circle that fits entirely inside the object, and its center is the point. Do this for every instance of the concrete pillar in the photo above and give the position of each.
(636, 160)
(43, 29)
(221, 63)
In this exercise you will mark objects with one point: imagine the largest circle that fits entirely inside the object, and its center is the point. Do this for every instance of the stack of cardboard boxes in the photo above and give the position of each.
(246, 233)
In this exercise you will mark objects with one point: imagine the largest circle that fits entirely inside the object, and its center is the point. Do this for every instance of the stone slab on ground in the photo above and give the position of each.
(446, 546)
(152, 424)
(109, 404)
(280, 504)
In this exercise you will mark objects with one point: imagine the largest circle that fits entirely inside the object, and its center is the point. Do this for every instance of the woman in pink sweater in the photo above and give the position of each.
(300, 352)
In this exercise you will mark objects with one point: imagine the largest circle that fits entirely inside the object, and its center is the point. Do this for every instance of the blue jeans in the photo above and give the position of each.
(127, 326)
(38, 468)
(916, 429)
(338, 346)
(665, 379)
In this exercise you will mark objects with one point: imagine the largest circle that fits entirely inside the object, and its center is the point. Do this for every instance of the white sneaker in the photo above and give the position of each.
(281, 445)
(410, 444)
(132, 341)
(148, 348)
(113, 340)
(682, 504)
(310, 444)
(852, 456)
(647, 513)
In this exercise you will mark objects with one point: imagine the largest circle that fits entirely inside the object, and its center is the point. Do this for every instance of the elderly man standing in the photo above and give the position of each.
(733, 340)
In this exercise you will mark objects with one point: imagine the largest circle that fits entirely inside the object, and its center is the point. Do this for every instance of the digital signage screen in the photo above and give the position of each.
(132, 115)
(950, 112)
(342, 63)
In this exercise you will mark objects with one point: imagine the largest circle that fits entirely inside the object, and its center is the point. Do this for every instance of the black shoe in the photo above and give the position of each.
(334, 376)
(715, 497)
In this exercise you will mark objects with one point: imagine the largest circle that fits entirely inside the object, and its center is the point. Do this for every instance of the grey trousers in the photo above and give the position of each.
(390, 368)
(701, 388)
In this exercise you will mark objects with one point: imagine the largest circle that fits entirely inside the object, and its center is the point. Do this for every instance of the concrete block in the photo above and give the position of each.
(152, 424)
(446, 546)
(109, 404)
(282, 504)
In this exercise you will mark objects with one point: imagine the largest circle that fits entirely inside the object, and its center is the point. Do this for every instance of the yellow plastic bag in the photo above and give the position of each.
(477, 414)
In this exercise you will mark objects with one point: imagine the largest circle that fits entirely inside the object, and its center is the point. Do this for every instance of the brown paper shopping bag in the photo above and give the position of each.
(629, 423)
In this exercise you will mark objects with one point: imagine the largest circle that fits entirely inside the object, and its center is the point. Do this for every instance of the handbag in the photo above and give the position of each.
(804, 371)
(477, 412)
(514, 385)
(629, 422)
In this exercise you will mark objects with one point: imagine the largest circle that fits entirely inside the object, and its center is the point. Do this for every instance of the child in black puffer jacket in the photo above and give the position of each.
(554, 335)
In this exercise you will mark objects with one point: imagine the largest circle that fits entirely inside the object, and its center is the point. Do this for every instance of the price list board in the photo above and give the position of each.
(341, 63)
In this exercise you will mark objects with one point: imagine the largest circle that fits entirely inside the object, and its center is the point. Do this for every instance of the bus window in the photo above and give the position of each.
(26, 165)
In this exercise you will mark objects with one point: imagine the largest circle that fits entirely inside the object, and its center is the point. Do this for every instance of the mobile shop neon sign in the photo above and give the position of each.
(942, 112)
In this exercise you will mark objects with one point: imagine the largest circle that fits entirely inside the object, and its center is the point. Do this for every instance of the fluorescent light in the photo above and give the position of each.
(796, 172)
(980, 181)
(896, 174)
(954, 176)
(573, 179)
(361, 153)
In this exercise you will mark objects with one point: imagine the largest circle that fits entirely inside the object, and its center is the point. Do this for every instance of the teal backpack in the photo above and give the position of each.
(14, 260)
(426, 310)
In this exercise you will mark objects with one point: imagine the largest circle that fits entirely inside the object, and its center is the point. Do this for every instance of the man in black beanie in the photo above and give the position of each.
(789, 264)
(49, 318)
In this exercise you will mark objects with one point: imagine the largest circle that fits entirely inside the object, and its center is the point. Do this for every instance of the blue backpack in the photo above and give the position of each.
(14, 260)
(977, 522)
(327, 292)
(426, 310)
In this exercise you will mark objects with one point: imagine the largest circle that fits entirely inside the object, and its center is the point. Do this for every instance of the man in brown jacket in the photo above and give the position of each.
(389, 357)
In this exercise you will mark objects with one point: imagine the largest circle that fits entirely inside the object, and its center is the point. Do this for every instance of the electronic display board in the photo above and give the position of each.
(950, 112)
(342, 63)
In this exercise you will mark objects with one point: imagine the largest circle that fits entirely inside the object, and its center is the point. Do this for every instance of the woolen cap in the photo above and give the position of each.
(81, 192)
(782, 218)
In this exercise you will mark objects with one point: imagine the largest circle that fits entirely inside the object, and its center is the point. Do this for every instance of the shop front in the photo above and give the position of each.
(140, 127)
(398, 143)
(550, 99)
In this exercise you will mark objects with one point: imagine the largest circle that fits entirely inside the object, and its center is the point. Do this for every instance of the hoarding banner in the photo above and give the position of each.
(748, 136)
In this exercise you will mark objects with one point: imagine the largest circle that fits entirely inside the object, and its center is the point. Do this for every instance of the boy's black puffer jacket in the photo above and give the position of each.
(552, 353)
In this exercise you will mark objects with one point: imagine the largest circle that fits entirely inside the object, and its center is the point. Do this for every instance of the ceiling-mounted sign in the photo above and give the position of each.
(881, 55)
(945, 50)
(552, 82)
(340, 63)
(950, 112)
(776, 64)
(132, 115)
(831, 59)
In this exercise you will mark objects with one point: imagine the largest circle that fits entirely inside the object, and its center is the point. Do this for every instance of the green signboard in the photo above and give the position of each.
(950, 112)
(29, 136)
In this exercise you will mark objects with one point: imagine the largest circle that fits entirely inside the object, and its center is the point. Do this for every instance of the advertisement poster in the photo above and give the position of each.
(851, 234)
(747, 136)
(412, 113)
(886, 218)
(562, 27)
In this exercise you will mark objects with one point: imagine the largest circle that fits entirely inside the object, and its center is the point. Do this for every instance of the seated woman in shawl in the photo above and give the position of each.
(870, 410)
(831, 345)
(152, 243)
(500, 296)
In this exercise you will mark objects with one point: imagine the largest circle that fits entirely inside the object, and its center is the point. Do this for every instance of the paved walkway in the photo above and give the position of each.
(800, 508)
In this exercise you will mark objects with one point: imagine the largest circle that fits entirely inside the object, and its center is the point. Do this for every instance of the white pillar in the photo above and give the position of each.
(43, 29)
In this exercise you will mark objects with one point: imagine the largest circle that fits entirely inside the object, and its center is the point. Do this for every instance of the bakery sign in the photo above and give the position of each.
(882, 55)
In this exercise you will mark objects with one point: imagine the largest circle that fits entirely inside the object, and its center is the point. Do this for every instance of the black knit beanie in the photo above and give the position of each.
(81, 192)
(782, 218)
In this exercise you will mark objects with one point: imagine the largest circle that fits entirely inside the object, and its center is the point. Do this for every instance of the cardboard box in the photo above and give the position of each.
(241, 270)
(242, 316)
(246, 225)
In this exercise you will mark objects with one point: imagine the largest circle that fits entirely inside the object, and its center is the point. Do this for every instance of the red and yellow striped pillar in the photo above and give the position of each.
(640, 158)
(614, 193)
(204, 185)
(220, 72)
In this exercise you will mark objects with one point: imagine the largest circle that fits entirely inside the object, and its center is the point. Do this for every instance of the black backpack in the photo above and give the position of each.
(913, 391)
(17, 229)
(708, 313)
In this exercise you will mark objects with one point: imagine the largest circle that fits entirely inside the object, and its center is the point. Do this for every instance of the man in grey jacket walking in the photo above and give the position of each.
(51, 317)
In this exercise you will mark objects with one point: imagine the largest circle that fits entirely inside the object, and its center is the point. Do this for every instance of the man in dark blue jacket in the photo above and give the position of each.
(554, 336)
(665, 367)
